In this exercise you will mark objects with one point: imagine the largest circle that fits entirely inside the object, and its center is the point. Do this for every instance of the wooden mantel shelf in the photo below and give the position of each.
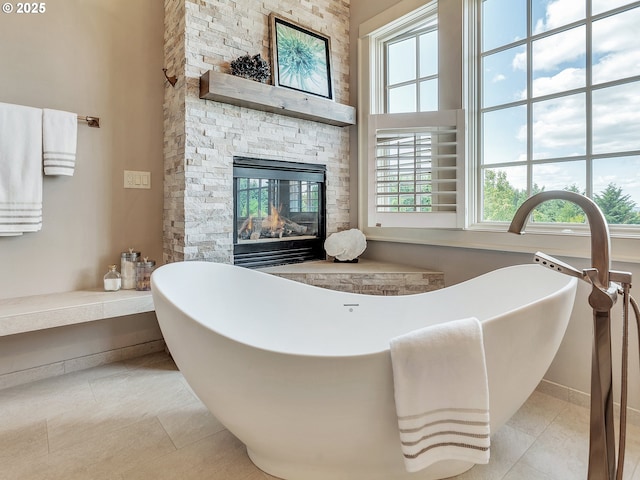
(226, 88)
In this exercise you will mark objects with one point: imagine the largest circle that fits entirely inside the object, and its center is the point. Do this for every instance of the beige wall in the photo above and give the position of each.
(93, 57)
(572, 365)
(102, 58)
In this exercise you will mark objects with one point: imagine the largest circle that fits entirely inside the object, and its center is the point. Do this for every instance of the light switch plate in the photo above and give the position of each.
(135, 179)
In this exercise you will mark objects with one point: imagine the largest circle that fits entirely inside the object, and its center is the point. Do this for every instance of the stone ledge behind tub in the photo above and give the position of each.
(367, 276)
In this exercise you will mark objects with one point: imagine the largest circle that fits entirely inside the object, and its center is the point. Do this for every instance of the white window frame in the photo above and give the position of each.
(461, 93)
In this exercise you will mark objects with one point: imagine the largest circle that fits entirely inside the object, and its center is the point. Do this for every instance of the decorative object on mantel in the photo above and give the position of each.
(251, 67)
(346, 246)
(171, 79)
(301, 58)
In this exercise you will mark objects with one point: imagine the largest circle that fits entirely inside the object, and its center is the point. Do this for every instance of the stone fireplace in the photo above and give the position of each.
(202, 137)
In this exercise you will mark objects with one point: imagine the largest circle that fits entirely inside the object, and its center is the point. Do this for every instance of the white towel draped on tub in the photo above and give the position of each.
(20, 169)
(59, 137)
(442, 394)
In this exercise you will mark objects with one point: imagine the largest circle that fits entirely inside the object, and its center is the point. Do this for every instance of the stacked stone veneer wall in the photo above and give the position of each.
(202, 136)
(371, 283)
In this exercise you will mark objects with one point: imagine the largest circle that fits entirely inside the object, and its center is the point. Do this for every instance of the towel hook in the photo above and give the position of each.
(171, 79)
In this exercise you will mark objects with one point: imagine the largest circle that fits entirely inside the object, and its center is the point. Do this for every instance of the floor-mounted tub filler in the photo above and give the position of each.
(303, 376)
(606, 285)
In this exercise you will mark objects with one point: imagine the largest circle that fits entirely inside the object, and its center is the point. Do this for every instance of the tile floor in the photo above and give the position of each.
(138, 419)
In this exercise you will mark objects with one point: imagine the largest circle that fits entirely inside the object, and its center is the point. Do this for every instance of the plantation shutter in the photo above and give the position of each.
(416, 169)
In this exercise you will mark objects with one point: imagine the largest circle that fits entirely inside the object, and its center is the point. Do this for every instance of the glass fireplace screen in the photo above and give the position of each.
(277, 203)
(270, 209)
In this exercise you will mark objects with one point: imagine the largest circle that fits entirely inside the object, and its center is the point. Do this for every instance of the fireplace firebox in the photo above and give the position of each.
(279, 212)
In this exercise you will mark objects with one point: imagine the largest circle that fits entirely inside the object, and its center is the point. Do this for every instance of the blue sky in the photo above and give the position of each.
(559, 64)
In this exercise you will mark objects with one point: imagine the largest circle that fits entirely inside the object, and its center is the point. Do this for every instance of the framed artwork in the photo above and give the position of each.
(300, 57)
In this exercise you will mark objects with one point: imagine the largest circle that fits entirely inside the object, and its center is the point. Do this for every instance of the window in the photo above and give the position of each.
(303, 196)
(255, 195)
(411, 68)
(559, 107)
(495, 62)
(415, 152)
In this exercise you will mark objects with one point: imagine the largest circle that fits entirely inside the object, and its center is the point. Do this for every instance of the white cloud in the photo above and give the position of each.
(557, 176)
(498, 78)
(615, 66)
(552, 52)
(612, 36)
(559, 127)
(617, 32)
(559, 13)
(615, 41)
(549, 53)
(520, 61)
(566, 79)
(616, 118)
(599, 6)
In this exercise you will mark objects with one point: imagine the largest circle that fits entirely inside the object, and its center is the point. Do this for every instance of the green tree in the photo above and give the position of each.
(617, 208)
(558, 211)
(501, 199)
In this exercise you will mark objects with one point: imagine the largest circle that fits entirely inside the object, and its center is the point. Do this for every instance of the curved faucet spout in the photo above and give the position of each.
(600, 248)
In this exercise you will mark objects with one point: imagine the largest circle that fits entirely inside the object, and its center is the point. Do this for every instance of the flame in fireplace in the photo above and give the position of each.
(274, 222)
(273, 225)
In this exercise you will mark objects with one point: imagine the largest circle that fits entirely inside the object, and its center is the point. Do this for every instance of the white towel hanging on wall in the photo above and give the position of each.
(59, 141)
(20, 169)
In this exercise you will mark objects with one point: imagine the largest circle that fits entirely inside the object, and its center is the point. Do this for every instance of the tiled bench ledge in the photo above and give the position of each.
(39, 312)
(367, 276)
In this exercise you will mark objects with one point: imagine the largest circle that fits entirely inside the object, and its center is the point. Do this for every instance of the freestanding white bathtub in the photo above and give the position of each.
(302, 375)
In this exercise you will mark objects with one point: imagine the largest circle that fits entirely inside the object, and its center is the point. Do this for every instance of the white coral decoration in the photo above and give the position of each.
(346, 245)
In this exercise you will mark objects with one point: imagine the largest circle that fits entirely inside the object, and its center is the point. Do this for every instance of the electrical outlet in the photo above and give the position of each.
(134, 179)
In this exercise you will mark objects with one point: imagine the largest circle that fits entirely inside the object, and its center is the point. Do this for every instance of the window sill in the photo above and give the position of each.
(495, 237)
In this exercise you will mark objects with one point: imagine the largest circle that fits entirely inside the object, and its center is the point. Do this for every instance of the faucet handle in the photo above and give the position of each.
(592, 275)
(602, 298)
(620, 277)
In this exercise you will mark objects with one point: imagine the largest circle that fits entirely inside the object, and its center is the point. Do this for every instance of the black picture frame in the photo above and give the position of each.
(300, 57)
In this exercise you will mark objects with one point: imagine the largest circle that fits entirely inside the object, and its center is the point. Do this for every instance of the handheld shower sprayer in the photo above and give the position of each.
(557, 265)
